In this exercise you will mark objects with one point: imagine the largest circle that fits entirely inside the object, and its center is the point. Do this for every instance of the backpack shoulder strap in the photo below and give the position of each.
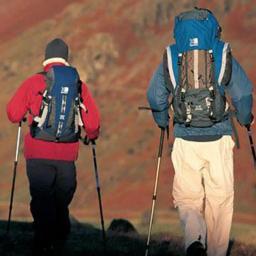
(170, 66)
(223, 62)
(48, 78)
(43, 73)
(226, 67)
(168, 82)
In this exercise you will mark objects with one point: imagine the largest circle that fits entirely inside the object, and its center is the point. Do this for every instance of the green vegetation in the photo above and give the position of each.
(86, 240)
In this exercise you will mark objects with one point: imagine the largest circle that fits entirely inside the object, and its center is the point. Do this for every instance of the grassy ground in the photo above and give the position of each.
(85, 240)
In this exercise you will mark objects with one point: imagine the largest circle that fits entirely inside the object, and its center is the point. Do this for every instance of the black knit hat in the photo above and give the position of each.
(57, 48)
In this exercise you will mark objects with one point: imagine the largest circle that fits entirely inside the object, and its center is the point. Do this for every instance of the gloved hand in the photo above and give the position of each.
(162, 128)
(88, 141)
(251, 122)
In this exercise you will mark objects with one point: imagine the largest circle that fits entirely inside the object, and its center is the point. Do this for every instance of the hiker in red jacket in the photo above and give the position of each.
(51, 147)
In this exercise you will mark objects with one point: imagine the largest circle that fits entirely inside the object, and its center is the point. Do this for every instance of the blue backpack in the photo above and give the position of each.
(59, 119)
(197, 68)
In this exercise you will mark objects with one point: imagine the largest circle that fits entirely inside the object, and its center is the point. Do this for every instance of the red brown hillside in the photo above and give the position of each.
(116, 45)
(18, 15)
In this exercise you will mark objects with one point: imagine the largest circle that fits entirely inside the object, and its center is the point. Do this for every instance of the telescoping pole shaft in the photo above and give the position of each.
(251, 145)
(155, 189)
(14, 178)
(99, 194)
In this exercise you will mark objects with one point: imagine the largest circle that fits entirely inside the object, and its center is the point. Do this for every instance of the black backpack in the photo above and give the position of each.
(59, 119)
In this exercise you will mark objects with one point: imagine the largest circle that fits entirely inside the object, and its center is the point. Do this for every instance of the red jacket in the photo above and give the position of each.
(28, 100)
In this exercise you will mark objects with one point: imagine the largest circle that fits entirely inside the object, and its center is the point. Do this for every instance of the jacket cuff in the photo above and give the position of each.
(93, 135)
(161, 118)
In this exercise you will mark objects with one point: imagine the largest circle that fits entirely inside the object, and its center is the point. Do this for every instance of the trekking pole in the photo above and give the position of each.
(99, 194)
(155, 188)
(152, 109)
(14, 177)
(249, 132)
(144, 108)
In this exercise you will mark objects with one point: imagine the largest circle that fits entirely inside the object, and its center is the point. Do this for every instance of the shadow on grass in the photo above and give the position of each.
(86, 240)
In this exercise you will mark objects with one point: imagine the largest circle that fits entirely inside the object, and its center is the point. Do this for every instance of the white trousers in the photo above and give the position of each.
(203, 191)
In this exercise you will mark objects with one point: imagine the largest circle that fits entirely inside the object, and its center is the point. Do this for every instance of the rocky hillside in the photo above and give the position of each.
(116, 45)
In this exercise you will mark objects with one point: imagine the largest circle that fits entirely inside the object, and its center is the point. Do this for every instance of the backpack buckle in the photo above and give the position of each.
(211, 55)
(212, 92)
(180, 59)
(182, 94)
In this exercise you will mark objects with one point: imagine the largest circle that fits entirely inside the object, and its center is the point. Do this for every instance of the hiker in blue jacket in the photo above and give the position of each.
(202, 155)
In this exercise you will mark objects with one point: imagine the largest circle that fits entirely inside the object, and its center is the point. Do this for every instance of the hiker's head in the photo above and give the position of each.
(56, 48)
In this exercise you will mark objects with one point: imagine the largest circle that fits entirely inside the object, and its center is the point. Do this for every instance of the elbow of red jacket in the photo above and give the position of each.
(92, 133)
(13, 116)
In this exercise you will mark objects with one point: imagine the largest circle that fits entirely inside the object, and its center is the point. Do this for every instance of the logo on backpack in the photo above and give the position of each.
(59, 119)
(196, 68)
(193, 42)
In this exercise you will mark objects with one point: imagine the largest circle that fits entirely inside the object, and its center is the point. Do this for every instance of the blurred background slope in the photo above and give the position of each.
(116, 45)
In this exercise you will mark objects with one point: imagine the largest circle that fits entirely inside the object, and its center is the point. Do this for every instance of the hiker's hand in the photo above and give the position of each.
(23, 120)
(162, 128)
(251, 122)
(88, 141)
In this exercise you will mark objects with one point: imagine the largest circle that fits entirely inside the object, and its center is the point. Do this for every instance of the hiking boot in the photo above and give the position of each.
(196, 249)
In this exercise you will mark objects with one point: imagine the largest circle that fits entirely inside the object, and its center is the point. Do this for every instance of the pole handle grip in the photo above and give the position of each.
(160, 152)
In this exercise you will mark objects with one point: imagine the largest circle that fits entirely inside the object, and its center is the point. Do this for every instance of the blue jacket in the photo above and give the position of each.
(239, 89)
